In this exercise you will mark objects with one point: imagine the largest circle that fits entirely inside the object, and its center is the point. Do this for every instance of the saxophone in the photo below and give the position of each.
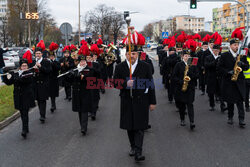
(186, 79)
(237, 69)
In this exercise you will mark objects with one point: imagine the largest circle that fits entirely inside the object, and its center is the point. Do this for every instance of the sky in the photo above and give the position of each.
(149, 10)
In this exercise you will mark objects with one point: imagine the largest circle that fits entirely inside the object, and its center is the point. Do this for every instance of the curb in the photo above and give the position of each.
(9, 120)
(16, 115)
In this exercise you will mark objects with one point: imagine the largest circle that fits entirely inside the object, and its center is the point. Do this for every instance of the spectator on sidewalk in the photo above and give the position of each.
(2, 65)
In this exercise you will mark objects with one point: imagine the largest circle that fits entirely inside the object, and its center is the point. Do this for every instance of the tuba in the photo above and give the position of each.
(237, 69)
(186, 79)
(110, 58)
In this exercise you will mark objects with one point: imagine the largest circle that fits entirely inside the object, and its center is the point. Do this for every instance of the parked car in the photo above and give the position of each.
(153, 46)
(225, 46)
(9, 62)
(14, 55)
(21, 50)
(149, 43)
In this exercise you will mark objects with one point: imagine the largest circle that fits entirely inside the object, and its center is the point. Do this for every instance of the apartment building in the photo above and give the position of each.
(3, 10)
(187, 22)
(229, 17)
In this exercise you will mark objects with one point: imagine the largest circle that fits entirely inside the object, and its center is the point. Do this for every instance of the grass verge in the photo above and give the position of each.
(6, 102)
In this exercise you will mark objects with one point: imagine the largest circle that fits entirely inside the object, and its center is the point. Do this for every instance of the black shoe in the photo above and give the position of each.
(149, 126)
(132, 152)
(183, 123)
(52, 110)
(42, 120)
(247, 110)
(24, 134)
(242, 124)
(139, 157)
(212, 109)
(223, 109)
(230, 121)
(69, 99)
(93, 118)
(192, 126)
(83, 132)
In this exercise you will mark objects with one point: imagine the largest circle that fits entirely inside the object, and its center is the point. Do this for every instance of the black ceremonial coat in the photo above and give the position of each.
(65, 80)
(53, 80)
(42, 80)
(97, 75)
(231, 91)
(135, 111)
(213, 86)
(23, 92)
(81, 95)
(178, 75)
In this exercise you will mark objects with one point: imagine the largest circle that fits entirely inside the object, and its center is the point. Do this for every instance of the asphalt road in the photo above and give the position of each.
(58, 143)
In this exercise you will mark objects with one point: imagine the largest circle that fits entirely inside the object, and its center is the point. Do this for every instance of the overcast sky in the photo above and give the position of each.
(149, 10)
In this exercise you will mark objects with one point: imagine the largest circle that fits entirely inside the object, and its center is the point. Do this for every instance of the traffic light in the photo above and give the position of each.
(126, 14)
(193, 4)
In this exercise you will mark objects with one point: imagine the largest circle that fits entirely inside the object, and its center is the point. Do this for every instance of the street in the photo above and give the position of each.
(59, 143)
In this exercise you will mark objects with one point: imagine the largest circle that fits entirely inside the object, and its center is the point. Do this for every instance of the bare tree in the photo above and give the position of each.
(18, 29)
(148, 31)
(104, 21)
(117, 24)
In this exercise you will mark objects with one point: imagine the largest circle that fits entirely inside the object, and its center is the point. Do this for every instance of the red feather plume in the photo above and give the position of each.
(99, 42)
(73, 48)
(83, 42)
(206, 38)
(27, 55)
(84, 50)
(66, 48)
(197, 36)
(41, 45)
(94, 49)
(53, 46)
(237, 33)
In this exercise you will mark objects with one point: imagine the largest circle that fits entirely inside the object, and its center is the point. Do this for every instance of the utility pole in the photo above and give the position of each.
(28, 7)
(79, 22)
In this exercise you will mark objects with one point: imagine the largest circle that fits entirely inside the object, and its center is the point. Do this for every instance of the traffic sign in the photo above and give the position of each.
(164, 35)
(66, 29)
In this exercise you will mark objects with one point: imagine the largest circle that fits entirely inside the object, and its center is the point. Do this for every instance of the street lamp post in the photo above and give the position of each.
(28, 6)
(79, 4)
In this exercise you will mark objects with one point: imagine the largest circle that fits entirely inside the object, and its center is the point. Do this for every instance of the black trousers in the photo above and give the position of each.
(136, 140)
(182, 108)
(212, 101)
(241, 111)
(83, 119)
(202, 83)
(170, 94)
(42, 108)
(25, 119)
(67, 91)
(53, 102)
(247, 96)
(94, 108)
